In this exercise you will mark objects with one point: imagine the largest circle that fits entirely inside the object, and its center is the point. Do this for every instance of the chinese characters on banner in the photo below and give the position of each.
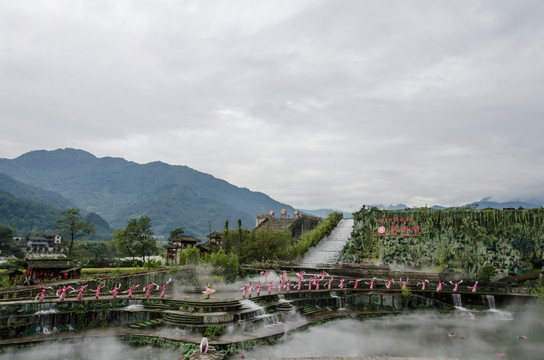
(397, 227)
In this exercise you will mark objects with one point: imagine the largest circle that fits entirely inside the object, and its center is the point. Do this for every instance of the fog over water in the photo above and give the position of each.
(90, 349)
(419, 335)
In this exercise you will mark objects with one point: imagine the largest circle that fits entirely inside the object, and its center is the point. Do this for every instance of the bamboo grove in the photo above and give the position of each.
(456, 239)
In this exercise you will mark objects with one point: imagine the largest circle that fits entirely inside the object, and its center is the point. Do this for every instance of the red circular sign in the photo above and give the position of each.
(381, 229)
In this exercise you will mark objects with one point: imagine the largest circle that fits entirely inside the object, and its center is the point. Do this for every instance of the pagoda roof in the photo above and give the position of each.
(184, 239)
(50, 263)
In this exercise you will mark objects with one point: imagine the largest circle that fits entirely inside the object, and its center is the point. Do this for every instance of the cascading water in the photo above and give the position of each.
(339, 301)
(256, 320)
(248, 304)
(46, 308)
(498, 314)
(463, 312)
(457, 302)
(490, 301)
(134, 305)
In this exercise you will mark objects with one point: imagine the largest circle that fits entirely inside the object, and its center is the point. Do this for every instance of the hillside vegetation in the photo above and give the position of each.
(119, 190)
(463, 239)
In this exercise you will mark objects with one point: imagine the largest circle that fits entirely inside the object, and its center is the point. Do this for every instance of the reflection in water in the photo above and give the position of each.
(422, 335)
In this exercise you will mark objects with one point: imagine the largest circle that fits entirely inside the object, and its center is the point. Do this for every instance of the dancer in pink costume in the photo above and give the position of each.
(62, 292)
(208, 292)
(310, 282)
(355, 283)
(280, 285)
(316, 283)
(80, 291)
(299, 283)
(371, 283)
(323, 274)
(148, 290)
(474, 287)
(283, 276)
(439, 286)
(97, 291)
(265, 273)
(404, 283)
(115, 290)
(288, 286)
(341, 285)
(130, 290)
(388, 284)
(269, 288)
(244, 289)
(41, 295)
(423, 284)
(329, 283)
(249, 289)
(163, 288)
(259, 288)
(455, 285)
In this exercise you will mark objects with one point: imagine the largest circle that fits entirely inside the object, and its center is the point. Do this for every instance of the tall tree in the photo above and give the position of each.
(140, 233)
(8, 245)
(123, 243)
(71, 223)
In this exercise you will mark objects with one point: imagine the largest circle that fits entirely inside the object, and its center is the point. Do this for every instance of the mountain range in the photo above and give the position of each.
(118, 190)
(36, 186)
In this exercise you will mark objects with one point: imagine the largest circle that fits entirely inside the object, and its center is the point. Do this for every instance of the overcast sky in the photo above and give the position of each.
(319, 104)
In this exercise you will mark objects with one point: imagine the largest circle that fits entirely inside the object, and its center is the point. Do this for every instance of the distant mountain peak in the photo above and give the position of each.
(118, 190)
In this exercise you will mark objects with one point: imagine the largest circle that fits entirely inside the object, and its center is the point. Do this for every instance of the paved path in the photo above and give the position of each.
(329, 249)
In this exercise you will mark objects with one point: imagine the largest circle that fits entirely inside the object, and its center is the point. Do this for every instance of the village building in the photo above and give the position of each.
(214, 244)
(297, 225)
(43, 243)
(176, 244)
(42, 269)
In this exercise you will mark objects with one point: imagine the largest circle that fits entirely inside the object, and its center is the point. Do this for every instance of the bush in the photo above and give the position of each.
(12, 264)
(130, 263)
(486, 272)
(189, 256)
(224, 265)
(406, 297)
(152, 264)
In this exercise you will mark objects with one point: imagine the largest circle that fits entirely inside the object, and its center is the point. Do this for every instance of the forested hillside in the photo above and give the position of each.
(24, 215)
(118, 190)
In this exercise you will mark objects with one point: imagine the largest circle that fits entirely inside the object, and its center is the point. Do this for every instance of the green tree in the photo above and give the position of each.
(176, 232)
(71, 223)
(265, 245)
(189, 256)
(123, 243)
(7, 244)
(97, 254)
(224, 265)
(140, 235)
(227, 241)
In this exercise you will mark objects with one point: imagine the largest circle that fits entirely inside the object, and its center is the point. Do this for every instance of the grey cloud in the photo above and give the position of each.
(313, 103)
